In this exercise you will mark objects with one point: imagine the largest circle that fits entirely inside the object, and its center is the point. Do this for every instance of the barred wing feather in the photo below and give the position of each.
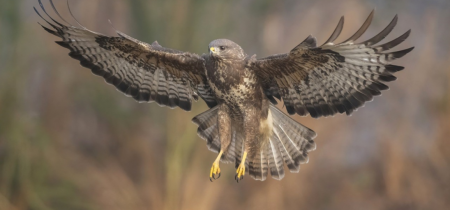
(332, 78)
(145, 72)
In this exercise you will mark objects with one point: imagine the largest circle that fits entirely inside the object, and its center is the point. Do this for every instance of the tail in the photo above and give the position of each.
(289, 142)
(208, 130)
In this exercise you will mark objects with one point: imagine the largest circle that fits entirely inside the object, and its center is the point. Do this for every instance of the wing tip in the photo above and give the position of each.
(380, 36)
(362, 29)
(337, 31)
(399, 54)
(393, 68)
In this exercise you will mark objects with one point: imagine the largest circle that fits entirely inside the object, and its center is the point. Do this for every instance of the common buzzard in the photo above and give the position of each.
(242, 124)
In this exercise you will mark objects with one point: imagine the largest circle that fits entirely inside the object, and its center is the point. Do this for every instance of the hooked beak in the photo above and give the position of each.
(212, 50)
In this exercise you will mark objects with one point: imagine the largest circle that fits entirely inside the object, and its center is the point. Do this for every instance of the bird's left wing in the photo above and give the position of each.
(331, 78)
(145, 72)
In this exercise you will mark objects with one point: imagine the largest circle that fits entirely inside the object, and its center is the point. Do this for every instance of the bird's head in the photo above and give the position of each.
(225, 49)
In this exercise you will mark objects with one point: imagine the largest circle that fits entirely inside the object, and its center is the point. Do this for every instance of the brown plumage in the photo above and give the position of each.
(242, 124)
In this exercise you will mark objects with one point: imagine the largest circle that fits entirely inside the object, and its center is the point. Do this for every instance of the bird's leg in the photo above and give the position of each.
(251, 130)
(224, 123)
(240, 172)
(215, 170)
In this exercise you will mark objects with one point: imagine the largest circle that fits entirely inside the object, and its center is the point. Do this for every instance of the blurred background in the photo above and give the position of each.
(70, 141)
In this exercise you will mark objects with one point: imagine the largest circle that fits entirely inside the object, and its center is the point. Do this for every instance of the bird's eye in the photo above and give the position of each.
(222, 48)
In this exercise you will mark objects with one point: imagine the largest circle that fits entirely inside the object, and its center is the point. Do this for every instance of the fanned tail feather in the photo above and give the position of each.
(290, 143)
(208, 130)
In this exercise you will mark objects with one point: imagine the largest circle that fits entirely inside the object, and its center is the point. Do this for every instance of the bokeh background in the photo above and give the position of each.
(69, 141)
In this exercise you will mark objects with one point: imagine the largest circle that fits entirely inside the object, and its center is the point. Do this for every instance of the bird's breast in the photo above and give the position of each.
(233, 83)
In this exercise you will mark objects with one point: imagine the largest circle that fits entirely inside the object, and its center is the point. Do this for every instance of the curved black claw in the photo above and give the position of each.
(215, 170)
(214, 177)
(237, 179)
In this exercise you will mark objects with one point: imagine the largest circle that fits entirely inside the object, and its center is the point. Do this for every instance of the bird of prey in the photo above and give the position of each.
(243, 125)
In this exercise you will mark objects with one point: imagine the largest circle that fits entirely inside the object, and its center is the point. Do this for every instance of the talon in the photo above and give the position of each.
(215, 170)
(240, 171)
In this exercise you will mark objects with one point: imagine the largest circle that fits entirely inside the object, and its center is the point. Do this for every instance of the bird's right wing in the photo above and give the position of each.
(332, 78)
(145, 72)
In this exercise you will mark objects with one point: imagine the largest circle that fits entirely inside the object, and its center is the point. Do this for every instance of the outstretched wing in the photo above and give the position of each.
(145, 72)
(331, 78)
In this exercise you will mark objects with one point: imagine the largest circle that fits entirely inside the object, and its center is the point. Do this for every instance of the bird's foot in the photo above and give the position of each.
(215, 170)
(240, 172)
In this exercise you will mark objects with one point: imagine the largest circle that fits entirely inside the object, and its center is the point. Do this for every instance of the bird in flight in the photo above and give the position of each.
(243, 125)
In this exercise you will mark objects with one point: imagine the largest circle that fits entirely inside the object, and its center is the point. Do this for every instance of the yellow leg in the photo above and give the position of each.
(240, 172)
(215, 170)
